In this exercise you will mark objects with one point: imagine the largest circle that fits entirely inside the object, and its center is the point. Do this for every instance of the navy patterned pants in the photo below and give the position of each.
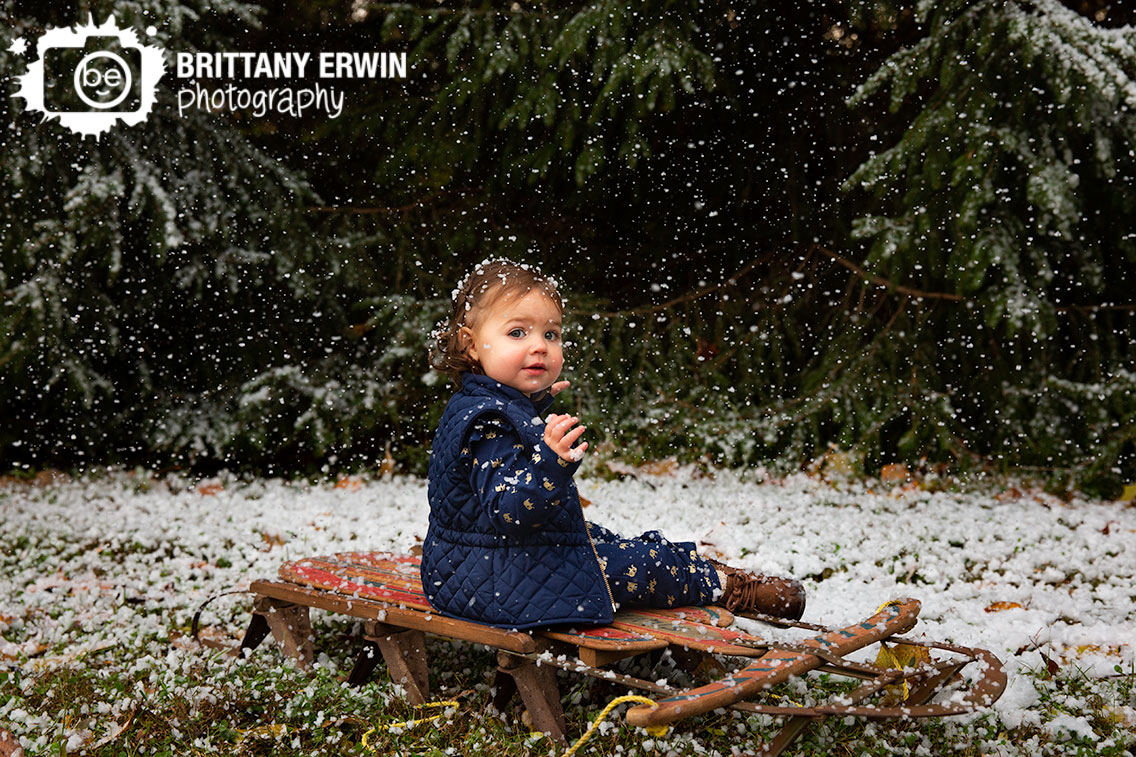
(649, 571)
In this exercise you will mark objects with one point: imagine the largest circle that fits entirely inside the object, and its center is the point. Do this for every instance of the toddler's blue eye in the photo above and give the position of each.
(517, 333)
(551, 336)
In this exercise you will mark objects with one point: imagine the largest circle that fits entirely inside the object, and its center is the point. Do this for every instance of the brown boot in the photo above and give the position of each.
(768, 595)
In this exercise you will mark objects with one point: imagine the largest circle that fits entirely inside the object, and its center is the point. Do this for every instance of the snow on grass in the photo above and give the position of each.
(122, 560)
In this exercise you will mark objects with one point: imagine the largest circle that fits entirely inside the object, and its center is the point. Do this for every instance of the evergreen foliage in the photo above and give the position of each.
(936, 274)
(142, 272)
(1006, 190)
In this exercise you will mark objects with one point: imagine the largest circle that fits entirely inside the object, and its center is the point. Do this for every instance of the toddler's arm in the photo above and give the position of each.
(520, 491)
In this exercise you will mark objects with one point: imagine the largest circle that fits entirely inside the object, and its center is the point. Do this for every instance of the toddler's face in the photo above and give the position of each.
(517, 341)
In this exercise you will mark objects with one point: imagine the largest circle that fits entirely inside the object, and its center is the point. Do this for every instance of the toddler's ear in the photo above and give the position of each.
(465, 339)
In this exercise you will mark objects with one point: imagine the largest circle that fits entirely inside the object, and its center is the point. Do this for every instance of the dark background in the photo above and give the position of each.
(762, 270)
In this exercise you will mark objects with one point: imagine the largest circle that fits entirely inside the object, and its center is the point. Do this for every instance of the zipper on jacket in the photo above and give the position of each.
(603, 573)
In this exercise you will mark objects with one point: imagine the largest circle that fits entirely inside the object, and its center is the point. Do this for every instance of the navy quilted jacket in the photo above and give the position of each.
(516, 555)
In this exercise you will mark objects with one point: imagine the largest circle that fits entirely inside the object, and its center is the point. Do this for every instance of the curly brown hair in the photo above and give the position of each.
(481, 287)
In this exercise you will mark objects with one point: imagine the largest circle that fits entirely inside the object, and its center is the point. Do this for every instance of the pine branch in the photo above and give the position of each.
(363, 210)
(515, 11)
(689, 297)
(881, 281)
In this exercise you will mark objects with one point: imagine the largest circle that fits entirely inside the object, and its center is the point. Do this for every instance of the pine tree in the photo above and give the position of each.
(144, 272)
(178, 291)
(1007, 192)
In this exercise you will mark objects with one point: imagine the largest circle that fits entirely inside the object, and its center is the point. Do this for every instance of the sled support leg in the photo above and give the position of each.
(365, 663)
(788, 733)
(539, 692)
(290, 626)
(503, 689)
(254, 634)
(404, 652)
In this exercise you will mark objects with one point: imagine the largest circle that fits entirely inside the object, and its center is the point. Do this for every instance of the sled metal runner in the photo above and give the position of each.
(383, 591)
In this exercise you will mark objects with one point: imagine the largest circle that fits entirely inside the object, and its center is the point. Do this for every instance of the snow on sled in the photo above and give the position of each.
(384, 591)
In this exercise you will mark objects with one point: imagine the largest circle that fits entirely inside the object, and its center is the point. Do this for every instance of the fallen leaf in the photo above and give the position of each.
(901, 656)
(1001, 606)
(210, 636)
(50, 477)
(115, 732)
(894, 473)
(1012, 493)
(1129, 493)
(585, 502)
(272, 540)
(388, 464)
(210, 490)
(350, 483)
(659, 467)
(10, 745)
(270, 731)
(1120, 715)
(842, 463)
(11, 652)
(1097, 649)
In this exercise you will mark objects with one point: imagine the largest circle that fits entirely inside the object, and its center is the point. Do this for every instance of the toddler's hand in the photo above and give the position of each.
(560, 435)
(558, 387)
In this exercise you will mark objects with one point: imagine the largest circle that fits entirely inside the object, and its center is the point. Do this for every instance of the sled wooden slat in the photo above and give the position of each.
(608, 640)
(514, 641)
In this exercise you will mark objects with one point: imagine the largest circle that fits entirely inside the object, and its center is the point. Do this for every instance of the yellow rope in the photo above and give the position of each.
(892, 603)
(656, 731)
(409, 723)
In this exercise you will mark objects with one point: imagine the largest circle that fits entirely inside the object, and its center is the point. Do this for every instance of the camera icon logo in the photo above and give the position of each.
(103, 80)
(91, 77)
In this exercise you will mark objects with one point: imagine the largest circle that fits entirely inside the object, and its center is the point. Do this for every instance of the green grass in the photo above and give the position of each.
(112, 674)
(166, 699)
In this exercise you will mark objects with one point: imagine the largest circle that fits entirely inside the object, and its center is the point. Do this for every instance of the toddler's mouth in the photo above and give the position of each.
(534, 369)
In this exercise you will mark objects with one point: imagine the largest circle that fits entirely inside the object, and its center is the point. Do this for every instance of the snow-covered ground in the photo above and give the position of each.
(1022, 573)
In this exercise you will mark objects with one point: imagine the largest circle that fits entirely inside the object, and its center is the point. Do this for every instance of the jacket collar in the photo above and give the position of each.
(478, 384)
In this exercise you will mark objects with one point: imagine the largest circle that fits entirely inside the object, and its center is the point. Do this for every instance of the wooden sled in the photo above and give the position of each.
(384, 591)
